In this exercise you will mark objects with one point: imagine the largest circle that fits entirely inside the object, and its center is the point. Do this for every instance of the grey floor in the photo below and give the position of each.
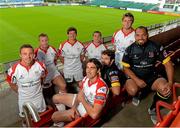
(132, 116)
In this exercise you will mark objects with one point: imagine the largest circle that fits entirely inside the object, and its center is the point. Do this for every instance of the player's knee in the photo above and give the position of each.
(164, 91)
(132, 91)
(56, 98)
(54, 118)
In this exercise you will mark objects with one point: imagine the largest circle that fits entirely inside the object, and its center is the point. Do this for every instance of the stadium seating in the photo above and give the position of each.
(16, 2)
(111, 104)
(172, 118)
(122, 4)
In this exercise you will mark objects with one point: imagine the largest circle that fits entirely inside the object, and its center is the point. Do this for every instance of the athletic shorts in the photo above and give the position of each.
(38, 102)
(149, 80)
(70, 77)
(52, 73)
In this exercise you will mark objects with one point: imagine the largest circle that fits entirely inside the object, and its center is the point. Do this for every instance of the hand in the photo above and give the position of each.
(76, 113)
(140, 83)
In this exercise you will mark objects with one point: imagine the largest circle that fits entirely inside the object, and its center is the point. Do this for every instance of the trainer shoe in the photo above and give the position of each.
(135, 101)
(153, 115)
(59, 124)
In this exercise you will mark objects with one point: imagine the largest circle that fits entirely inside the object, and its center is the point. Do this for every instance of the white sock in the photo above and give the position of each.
(60, 107)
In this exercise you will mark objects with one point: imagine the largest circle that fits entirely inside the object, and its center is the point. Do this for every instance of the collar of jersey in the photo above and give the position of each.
(73, 43)
(45, 51)
(26, 67)
(93, 82)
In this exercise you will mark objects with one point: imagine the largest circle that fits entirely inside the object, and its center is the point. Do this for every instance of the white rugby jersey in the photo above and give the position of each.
(71, 54)
(94, 51)
(96, 92)
(29, 84)
(122, 41)
(48, 57)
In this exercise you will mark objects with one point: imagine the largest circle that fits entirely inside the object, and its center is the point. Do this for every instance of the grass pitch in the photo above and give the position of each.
(23, 25)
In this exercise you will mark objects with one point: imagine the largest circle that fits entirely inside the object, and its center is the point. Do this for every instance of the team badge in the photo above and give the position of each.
(165, 53)
(102, 90)
(21, 77)
(114, 78)
(151, 54)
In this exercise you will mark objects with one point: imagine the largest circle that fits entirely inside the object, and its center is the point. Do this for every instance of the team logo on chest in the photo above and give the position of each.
(21, 77)
(151, 54)
(36, 72)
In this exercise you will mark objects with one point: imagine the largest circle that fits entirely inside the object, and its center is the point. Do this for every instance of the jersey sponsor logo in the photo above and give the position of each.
(143, 62)
(151, 54)
(113, 73)
(136, 57)
(99, 97)
(114, 78)
(102, 90)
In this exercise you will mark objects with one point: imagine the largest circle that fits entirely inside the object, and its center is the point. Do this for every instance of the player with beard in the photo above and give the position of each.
(110, 73)
(139, 65)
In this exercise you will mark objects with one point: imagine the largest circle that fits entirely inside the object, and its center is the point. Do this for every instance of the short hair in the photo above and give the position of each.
(43, 35)
(142, 27)
(128, 15)
(71, 29)
(96, 62)
(26, 46)
(97, 32)
(110, 53)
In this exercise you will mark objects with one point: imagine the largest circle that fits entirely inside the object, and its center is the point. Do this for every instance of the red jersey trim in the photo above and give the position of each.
(112, 40)
(43, 66)
(132, 30)
(8, 79)
(61, 47)
(97, 45)
(26, 67)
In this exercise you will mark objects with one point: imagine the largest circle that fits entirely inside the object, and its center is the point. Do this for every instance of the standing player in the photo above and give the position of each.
(71, 55)
(25, 78)
(48, 55)
(123, 38)
(94, 49)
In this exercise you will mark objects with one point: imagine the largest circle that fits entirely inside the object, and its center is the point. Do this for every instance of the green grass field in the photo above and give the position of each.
(23, 25)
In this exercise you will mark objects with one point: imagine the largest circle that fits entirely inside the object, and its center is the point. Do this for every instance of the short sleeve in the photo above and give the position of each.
(126, 58)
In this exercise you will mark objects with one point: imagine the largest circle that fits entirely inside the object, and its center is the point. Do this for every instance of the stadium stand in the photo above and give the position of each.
(123, 4)
(20, 3)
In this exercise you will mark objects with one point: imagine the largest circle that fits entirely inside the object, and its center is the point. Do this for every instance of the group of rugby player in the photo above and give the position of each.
(131, 65)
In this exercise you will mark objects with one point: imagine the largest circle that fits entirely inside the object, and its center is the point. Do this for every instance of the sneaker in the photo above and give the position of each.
(153, 115)
(135, 101)
(59, 124)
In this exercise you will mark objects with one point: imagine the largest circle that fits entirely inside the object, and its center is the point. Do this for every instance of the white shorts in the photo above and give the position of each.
(81, 109)
(38, 102)
(52, 73)
(77, 77)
